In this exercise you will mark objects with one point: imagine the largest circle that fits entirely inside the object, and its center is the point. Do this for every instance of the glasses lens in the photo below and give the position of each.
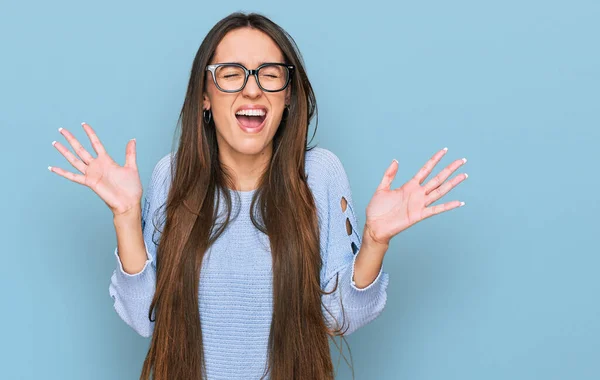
(230, 77)
(273, 77)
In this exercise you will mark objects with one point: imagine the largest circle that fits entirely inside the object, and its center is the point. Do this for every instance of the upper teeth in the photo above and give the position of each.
(248, 112)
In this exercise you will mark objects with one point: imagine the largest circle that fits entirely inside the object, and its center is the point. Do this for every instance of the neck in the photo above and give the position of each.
(246, 168)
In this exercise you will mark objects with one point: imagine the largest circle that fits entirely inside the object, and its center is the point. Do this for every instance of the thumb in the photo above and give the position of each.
(130, 154)
(388, 176)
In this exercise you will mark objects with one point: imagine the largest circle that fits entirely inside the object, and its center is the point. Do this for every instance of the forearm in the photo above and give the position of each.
(133, 282)
(130, 241)
(369, 260)
(363, 298)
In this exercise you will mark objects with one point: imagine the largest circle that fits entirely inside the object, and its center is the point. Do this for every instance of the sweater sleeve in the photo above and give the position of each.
(133, 293)
(341, 241)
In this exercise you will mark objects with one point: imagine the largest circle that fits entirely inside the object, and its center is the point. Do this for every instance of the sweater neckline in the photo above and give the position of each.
(245, 195)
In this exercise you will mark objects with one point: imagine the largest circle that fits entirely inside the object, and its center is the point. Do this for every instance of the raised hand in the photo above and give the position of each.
(391, 211)
(118, 186)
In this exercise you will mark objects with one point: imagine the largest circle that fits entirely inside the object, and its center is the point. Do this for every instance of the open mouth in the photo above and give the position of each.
(251, 118)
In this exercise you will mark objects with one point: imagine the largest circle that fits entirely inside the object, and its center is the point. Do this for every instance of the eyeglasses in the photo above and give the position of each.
(232, 77)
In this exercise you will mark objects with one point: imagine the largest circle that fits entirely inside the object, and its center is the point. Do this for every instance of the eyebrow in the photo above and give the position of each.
(259, 63)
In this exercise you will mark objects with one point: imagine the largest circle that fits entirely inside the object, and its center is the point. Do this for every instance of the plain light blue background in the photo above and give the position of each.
(503, 288)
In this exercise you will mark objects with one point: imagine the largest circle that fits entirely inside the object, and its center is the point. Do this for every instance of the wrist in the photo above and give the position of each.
(129, 217)
(371, 240)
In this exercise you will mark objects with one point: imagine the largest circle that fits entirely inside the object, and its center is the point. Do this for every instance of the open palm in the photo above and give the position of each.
(391, 211)
(118, 186)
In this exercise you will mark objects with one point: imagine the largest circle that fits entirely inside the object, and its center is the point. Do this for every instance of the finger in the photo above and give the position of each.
(428, 167)
(96, 144)
(388, 176)
(444, 189)
(77, 178)
(437, 209)
(130, 154)
(73, 160)
(79, 149)
(443, 175)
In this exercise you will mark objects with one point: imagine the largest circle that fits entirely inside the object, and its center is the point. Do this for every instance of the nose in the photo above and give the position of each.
(251, 90)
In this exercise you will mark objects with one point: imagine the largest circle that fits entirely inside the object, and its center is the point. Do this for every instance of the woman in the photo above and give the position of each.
(252, 288)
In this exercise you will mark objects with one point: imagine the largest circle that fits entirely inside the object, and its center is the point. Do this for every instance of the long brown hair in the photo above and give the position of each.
(298, 341)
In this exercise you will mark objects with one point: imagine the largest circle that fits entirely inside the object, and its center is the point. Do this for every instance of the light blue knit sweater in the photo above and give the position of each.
(235, 293)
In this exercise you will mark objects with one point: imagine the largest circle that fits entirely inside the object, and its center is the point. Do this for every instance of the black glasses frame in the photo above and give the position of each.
(249, 72)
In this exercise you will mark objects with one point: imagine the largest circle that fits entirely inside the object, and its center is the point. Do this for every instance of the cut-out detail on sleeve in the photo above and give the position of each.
(344, 204)
(340, 248)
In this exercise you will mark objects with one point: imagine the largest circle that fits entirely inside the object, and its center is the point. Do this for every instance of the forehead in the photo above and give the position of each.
(247, 46)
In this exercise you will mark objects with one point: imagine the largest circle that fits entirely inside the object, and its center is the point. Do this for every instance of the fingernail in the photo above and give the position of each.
(132, 139)
(53, 142)
(446, 149)
(50, 168)
(395, 160)
(464, 160)
(83, 123)
(60, 129)
(462, 204)
(466, 176)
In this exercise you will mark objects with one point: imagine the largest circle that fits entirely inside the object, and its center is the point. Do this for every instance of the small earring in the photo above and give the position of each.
(286, 112)
(207, 116)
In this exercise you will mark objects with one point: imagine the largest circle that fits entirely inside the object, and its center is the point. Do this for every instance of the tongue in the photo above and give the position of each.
(250, 121)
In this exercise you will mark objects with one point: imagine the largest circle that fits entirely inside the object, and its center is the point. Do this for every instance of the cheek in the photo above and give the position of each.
(221, 105)
(278, 104)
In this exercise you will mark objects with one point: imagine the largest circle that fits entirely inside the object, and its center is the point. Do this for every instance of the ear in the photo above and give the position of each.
(205, 102)
(288, 95)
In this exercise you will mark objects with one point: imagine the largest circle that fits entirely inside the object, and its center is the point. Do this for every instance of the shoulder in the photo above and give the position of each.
(324, 166)
(160, 179)
(163, 167)
(326, 178)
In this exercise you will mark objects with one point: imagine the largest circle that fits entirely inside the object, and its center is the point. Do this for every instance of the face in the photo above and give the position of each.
(251, 48)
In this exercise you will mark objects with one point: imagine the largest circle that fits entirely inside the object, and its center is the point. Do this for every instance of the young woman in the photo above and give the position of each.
(252, 288)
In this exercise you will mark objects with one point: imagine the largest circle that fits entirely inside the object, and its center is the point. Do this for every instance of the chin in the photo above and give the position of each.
(247, 143)
(250, 144)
